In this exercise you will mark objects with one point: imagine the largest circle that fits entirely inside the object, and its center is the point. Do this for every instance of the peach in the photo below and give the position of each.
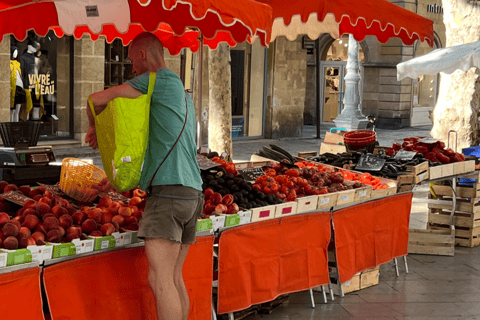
(50, 223)
(38, 236)
(3, 207)
(29, 204)
(95, 214)
(83, 236)
(4, 218)
(48, 215)
(78, 217)
(40, 228)
(105, 201)
(85, 209)
(125, 211)
(40, 242)
(106, 217)
(10, 187)
(135, 201)
(10, 229)
(126, 194)
(62, 231)
(31, 222)
(20, 211)
(74, 229)
(59, 211)
(2, 236)
(116, 225)
(65, 221)
(42, 208)
(34, 192)
(45, 200)
(3, 184)
(19, 220)
(16, 222)
(11, 243)
(113, 208)
(71, 236)
(141, 205)
(25, 190)
(132, 226)
(130, 219)
(25, 232)
(89, 225)
(28, 211)
(107, 229)
(25, 242)
(70, 209)
(37, 197)
(48, 195)
(119, 219)
(54, 236)
(41, 189)
(96, 233)
(139, 193)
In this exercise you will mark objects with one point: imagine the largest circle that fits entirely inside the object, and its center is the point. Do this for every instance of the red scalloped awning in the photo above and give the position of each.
(218, 20)
(360, 18)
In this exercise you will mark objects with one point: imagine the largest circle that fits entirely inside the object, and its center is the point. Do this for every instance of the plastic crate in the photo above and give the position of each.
(472, 151)
(466, 182)
(20, 134)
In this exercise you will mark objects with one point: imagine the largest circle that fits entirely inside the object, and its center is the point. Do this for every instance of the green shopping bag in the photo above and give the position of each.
(122, 136)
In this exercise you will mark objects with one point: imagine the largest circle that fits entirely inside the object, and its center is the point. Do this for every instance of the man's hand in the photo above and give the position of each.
(103, 186)
(91, 137)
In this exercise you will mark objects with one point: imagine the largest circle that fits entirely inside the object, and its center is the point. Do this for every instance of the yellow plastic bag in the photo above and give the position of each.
(122, 136)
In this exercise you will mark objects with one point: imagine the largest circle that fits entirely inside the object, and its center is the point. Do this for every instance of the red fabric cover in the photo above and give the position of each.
(260, 261)
(114, 285)
(360, 18)
(20, 295)
(242, 19)
(372, 233)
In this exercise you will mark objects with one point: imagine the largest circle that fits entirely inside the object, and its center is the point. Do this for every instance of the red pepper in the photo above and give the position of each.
(443, 158)
(390, 152)
(397, 146)
(449, 152)
(406, 144)
(421, 149)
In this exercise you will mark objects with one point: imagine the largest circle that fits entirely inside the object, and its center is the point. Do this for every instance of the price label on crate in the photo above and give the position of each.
(104, 244)
(325, 200)
(252, 174)
(405, 155)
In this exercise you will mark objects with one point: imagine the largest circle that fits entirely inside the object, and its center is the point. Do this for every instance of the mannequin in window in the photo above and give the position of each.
(17, 94)
(28, 64)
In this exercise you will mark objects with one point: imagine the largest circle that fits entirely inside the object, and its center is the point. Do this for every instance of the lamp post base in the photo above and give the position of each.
(351, 123)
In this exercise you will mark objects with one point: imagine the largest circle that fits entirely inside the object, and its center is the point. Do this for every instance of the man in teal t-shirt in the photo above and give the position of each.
(169, 221)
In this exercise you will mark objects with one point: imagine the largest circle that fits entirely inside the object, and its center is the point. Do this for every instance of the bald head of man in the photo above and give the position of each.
(146, 53)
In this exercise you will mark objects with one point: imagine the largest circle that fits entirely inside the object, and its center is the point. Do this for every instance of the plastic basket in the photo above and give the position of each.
(77, 178)
(360, 138)
(20, 134)
(369, 147)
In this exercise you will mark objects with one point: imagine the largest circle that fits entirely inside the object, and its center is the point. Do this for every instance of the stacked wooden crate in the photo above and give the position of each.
(413, 176)
(467, 211)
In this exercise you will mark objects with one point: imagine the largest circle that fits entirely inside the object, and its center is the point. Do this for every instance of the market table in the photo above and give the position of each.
(113, 285)
(20, 293)
(262, 260)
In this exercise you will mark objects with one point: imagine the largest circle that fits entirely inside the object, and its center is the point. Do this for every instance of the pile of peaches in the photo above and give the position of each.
(49, 218)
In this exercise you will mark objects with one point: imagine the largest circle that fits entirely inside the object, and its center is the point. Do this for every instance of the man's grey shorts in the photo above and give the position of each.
(171, 212)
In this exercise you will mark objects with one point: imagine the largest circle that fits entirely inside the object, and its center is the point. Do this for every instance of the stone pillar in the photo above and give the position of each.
(286, 89)
(63, 84)
(351, 117)
(5, 79)
(89, 75)
(220, 93)
(201, 115)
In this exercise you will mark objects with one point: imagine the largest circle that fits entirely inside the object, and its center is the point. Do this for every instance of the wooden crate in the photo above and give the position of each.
(432, 242)
(285, 209)
(308, 203)
(405, 182)
(362, 194)
(451, 169)
(384, 192)
(461, 191)
(369, 277)
(419, 172)
(467, 226)
(463, 205)
(326, 201)
(263, 213)
(345, 197)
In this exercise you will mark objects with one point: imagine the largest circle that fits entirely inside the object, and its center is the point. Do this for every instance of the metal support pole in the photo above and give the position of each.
(214, 314)
(318, 86)
(454, 199)
(230, 316)
(406, 264)
(396, 266)
(324, 294)
(200, 88)
(332, 297)
(311, 298)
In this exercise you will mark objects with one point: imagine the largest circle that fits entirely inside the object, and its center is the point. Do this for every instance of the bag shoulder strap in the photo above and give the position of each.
(149, 188)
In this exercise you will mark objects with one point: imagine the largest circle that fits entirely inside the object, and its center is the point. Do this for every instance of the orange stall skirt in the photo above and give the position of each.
(260, 261)
(114, 285)
(372, 233)
(20, 295)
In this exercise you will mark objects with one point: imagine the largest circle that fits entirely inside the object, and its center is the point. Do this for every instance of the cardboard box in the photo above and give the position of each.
(15, 257)
(334, 138)
(245, 216)
(217, 222)
(41, 253)
(305, 204)
(103, 242)
(285, 209)
(263, 213)
(331, 148)
(242, 217)
(326, 201)
(63, 249)
(3, 259)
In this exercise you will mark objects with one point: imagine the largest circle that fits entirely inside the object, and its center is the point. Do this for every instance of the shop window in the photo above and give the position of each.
(33, 64)
(118, 68)
(338, 51)
(425, 87)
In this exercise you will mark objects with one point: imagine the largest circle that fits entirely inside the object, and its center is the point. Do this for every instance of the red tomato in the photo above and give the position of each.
(292, 173)
(271, 172)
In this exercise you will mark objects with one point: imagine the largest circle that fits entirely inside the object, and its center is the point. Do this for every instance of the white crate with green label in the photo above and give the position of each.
(218, 222)
(77, 246)
(105, 242)
(242, 217)
(204, 224)
(41, 253)
(15, 257)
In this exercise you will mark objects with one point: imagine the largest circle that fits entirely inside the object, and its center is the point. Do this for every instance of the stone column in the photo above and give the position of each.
(220, 106)
(351, 117)
(5, 79)
(63, 84)
(89, 76)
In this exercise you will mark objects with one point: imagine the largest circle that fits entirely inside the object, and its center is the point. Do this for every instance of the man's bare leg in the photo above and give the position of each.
(162, 256)
(179, 284)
